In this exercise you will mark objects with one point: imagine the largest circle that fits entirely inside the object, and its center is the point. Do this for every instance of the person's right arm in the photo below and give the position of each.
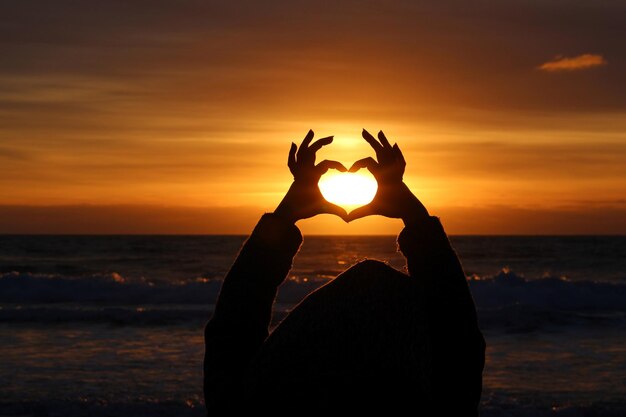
(239, 324)
(458, 344)
(243, 311)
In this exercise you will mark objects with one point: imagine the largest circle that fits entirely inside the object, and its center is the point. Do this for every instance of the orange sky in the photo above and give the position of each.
(144, 117)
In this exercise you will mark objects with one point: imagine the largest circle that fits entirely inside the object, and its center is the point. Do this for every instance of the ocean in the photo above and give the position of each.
(113, 325)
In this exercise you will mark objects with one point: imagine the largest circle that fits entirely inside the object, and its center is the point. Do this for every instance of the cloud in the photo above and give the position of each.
(577, 63)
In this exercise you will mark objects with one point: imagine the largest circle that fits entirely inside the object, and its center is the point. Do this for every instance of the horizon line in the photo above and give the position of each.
(316, 235)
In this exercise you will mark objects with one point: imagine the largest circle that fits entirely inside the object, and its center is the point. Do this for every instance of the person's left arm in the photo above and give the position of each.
(458, 355)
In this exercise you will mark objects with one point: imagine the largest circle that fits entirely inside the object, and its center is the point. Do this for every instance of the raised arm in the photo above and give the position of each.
(458, 344)
(423, 241)
(244, 307)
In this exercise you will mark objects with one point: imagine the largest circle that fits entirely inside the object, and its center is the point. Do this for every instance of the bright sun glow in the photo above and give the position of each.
(348, 190)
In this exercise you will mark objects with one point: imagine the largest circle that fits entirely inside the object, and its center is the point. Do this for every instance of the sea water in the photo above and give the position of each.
(113, 325)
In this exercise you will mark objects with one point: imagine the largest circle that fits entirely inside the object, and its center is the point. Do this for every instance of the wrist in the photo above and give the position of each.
(286, 210)
(415, 218)
(413, 211)
(284, 213)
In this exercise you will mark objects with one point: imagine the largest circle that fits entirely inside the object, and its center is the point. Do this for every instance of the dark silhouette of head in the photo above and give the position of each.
(346, 346)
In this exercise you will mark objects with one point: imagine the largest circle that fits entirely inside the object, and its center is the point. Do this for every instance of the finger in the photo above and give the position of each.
(383, 139)
(372, 141)
(368, 163)
(317, 145)
(331, 208)
(291, 161)
(327, 164)
(398, 152)
(366, 210)
(305, 142)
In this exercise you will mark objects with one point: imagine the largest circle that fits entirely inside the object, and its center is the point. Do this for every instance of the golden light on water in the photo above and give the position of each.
(348, 190)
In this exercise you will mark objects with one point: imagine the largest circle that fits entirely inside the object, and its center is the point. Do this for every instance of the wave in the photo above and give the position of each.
(506, 404)
(509, 301)
(508, 289)
(503, 300)
(102, 288)
(101, 407)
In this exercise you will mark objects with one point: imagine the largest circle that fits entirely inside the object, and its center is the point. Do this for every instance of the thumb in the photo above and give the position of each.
(363, 211)
(331, 208)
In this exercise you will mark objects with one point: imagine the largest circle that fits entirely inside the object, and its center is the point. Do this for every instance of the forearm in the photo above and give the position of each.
(429, 254)
(243, 311)
(458, 344)
(430, 257)
(261, 266)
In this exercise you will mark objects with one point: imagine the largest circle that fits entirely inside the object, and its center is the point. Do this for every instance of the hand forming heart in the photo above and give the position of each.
(393, 198)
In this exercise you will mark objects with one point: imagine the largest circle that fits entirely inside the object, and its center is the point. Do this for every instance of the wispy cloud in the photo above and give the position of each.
(577, 63)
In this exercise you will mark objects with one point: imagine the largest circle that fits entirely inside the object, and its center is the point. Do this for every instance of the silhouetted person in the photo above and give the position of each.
(373, 339)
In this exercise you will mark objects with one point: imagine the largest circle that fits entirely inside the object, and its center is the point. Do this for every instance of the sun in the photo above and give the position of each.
(348, 190)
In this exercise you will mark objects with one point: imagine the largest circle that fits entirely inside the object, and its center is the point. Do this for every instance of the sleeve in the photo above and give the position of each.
(239, 324)
(458, 344)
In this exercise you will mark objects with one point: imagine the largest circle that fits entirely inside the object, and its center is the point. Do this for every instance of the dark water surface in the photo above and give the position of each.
(112, 325)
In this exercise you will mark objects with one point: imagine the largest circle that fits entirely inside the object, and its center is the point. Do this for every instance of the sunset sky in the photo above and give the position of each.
(176, 116)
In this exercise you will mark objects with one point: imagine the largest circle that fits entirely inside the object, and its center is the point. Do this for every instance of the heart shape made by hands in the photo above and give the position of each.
(349, 190)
